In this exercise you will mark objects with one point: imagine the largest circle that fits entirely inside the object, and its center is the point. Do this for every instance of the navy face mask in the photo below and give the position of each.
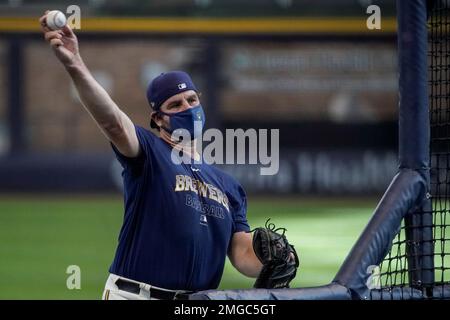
(192, 120)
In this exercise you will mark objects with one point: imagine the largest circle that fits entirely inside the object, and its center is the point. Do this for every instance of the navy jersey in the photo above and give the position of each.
(179, 219)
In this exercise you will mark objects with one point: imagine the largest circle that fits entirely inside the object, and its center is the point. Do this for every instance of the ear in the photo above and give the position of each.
(156, 117)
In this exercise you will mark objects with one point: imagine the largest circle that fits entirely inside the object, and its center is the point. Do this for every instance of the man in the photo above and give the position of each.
(181, 220)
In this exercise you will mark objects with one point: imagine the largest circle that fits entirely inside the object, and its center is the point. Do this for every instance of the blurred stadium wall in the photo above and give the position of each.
(309, 68)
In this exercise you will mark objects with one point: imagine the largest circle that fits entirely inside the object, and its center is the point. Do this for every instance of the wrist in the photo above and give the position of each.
(76, 64)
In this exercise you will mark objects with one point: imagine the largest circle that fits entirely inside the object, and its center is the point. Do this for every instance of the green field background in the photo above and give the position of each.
(40, 236)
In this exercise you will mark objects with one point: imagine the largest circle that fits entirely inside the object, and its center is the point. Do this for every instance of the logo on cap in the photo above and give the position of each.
(182, 86)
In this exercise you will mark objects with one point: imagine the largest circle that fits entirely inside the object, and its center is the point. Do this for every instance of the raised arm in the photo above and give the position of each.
(112, 121)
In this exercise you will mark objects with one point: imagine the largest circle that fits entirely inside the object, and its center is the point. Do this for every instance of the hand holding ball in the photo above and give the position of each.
(58, 33)
(55, 20)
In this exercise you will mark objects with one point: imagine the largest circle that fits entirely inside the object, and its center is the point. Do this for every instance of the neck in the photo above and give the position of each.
(187, 148)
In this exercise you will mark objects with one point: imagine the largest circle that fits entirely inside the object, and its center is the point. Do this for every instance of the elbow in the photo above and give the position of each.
(113, 129)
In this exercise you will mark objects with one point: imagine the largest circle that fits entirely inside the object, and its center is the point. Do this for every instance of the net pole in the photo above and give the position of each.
(414, 134)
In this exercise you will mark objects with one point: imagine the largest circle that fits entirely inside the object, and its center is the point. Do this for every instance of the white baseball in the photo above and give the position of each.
(56, 20)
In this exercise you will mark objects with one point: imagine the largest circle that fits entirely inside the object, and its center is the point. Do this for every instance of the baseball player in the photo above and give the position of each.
(181, 220)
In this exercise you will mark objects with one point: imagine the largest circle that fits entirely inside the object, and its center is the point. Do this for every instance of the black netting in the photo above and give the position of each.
(419, 265)
(439, 76)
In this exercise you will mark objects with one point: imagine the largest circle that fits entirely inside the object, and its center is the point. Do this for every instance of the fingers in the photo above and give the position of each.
(55, 43)
(43, 22)
(50, 35)
(67, 31)
(44, 27)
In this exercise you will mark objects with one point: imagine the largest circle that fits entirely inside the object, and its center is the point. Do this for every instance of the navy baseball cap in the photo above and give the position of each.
(166, 85)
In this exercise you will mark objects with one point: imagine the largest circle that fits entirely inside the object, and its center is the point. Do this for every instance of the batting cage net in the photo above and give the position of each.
(404, 251)
(439, 75)
(401, 274)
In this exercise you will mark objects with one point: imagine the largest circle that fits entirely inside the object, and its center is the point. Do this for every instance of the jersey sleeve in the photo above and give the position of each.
(136, 164)
(239, 207)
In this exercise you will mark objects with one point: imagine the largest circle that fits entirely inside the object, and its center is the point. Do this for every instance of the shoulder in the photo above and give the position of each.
(232, 185)
(148, 140)
(237, 200)
(145, 133)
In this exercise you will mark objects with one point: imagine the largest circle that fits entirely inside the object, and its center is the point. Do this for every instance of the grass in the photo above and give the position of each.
(41, 236)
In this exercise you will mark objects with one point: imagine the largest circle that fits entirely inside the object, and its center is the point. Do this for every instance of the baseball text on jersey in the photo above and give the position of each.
(206, 190)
